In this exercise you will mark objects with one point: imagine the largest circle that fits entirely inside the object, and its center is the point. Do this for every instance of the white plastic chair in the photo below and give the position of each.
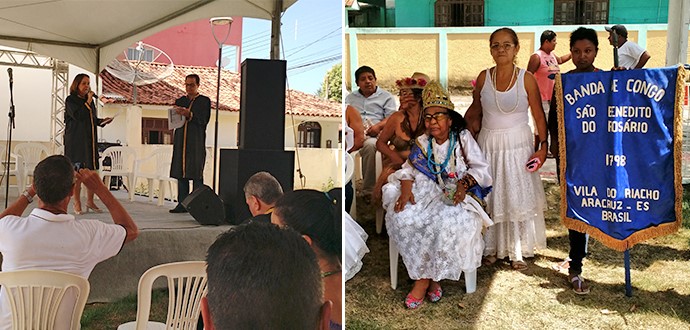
(32, 153)
(35, 296)
(349, 167)
(155, 166)
(16, 169)
(470, 277)
(121, 164)
(186, 286)
(165, 182)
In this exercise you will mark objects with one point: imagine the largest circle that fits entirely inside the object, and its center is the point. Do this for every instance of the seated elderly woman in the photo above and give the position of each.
(434, 202)
(316, 216)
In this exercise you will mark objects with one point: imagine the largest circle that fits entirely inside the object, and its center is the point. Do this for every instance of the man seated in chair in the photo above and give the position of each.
(51, 239)
(261, 276)
(261, 192)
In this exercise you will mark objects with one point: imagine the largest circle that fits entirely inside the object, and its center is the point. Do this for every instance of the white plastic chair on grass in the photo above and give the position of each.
(121, 164)
(186, 286)
(36, 295)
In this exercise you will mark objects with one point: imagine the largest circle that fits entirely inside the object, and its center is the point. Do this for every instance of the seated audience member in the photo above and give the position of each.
(261, 276)
(51, 239)
(261, 192)
(375, 105)
(436, 221)
(316, 216)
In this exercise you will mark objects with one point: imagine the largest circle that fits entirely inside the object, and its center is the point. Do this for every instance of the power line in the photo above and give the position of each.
(315, 41)
(323, 60)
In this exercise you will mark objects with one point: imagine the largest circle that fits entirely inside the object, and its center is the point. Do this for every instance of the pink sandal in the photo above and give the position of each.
(413, 303)
(435, 296)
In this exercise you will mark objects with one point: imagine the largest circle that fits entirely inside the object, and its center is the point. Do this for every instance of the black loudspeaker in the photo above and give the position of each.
(262, 105)
(237, 165)
(205, 206)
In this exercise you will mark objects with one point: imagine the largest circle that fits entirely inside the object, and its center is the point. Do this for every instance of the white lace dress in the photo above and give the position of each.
(355, 246)
(516, 204)
(435, 240)
(355, 238)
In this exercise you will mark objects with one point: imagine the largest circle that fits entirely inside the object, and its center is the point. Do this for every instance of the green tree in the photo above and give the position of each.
(332, 84)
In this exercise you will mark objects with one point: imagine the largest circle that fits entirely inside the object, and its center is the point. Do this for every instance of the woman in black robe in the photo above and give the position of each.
(81, 136)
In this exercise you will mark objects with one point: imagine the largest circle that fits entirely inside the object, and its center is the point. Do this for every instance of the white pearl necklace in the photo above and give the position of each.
(495, 83)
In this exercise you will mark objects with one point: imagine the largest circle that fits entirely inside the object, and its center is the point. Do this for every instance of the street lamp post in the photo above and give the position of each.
(217, 21)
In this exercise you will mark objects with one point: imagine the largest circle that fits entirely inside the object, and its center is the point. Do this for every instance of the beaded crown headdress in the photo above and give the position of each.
(435, 95)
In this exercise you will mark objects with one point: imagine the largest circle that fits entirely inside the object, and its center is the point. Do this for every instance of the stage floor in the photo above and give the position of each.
(163, 237)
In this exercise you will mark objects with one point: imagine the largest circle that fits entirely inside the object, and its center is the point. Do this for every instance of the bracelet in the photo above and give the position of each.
(542, 142)
(28, 196)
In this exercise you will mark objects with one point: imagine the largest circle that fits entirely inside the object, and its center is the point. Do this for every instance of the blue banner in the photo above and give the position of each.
(622, 152)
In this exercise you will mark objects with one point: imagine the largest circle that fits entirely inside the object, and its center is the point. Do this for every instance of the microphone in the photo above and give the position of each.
(9, 72)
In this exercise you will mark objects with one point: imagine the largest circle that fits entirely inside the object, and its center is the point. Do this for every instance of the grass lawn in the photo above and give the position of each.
(539, 298)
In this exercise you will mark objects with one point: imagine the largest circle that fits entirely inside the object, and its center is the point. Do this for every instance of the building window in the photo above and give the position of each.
(309, 135)
(578, 12)
(155, 131)
(459, 13)
(146, 54)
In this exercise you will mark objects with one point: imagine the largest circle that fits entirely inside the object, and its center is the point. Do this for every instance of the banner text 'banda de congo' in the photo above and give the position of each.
(621, 158)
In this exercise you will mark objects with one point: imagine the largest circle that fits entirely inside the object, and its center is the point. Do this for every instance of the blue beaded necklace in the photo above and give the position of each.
(430, 163)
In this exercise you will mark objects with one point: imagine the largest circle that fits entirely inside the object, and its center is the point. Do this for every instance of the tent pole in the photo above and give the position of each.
(275, 30)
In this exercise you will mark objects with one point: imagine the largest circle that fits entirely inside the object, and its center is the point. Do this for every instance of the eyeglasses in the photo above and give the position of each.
(439, 116)
(505, 46)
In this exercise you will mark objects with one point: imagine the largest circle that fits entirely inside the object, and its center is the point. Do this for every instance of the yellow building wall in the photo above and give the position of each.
(469, 54)
(399, 55)
(395, 56)
(656, 47)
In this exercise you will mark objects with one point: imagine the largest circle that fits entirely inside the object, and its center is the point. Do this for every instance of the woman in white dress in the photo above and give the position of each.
(501, 101)
(437, 226)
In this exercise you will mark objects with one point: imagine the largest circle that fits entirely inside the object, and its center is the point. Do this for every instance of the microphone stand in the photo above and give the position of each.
(9, 141)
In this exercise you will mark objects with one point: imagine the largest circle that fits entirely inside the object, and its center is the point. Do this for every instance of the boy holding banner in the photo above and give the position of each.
(584, 46)
(619, 142)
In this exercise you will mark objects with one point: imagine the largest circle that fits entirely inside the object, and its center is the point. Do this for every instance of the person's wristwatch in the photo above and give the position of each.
(28, 196)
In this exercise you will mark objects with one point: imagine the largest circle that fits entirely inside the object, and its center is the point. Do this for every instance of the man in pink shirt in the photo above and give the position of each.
(544, 65)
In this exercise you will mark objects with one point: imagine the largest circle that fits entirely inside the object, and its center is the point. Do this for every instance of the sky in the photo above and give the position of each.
(311, 43)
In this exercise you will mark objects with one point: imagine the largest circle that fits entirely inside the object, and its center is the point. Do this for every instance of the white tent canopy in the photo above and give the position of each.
(90, 34)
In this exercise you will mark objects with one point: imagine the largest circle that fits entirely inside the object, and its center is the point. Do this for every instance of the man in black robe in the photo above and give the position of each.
(189, 149)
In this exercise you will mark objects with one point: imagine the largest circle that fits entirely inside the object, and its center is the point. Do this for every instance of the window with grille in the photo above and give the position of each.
(309, 135)
(155, 131)
(574, 12)
(459, 13)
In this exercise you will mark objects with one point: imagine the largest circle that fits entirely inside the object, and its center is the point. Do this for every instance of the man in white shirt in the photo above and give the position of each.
(375, 105)
(51, 239)
(630, 54)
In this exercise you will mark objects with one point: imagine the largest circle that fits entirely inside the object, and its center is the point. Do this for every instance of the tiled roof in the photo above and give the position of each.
(167, 90)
